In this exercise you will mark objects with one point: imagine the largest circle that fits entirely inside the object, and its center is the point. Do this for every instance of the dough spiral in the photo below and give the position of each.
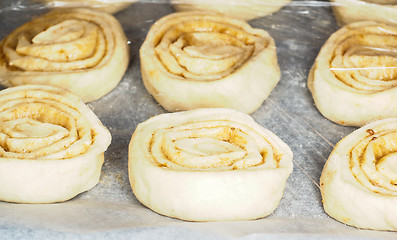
(80, 50)
(196, 60)
(348, 11)
(109, 6)
(354, 78)
(201, 165)
(359, 180)
(243, 9)
(51, 145)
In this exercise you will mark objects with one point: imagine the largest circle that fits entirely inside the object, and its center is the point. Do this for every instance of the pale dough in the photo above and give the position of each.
(51, 145)
(348, 11)
(359, 180)
(109, 6)
(80, 50)
(354, 78)
(193, 60)
(208, 165)
(243, 9)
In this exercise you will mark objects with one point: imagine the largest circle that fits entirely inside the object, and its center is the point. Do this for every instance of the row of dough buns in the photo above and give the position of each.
(197, 165)
(48, 49)
(86, 52)
(51, 145)
(358, 64)
(246, 10)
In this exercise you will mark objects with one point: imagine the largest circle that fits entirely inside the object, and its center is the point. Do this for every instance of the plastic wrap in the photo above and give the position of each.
(110, 209)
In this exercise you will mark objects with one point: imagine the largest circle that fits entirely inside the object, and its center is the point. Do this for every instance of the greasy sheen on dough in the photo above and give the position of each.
(354, 78)
(359, 180)
(243, 9)
(108, 6)
(348, 11)
(208, 165)
(202, 60)
(51, 145)
(80, 50)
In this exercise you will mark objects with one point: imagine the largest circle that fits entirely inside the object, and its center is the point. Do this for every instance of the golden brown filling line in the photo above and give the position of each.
(33, 128)
(61, 42)
(211, 145)
(373, 161)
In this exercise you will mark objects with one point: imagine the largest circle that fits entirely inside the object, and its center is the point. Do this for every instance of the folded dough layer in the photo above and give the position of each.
(353, 80)
(108, 6)
(208, 165)
(348, 11)
(196, 60)
(51, 145)
(81, 50)
(243, 9)
(359, 180)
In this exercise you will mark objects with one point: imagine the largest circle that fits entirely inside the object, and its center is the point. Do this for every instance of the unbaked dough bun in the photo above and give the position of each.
(348, 11)
(81, 50)
(243, 9)
(208, 165)
(359, 180)
(202, 60)
(51, 145)
(354, 78)
(109, 6)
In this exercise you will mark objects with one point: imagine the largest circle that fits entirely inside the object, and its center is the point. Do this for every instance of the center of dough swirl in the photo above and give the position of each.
(367, 59)
(68, 45)
(214, 145)
(42, 129)
(206, 50)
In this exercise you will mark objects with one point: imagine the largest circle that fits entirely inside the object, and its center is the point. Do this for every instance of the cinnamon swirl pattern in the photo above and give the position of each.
(196, 60)
(51, 145)
(359, 180)
(80, 50)
(111, 6)
(348, 11)
(243, 9)
(353, 80)
(208, 165)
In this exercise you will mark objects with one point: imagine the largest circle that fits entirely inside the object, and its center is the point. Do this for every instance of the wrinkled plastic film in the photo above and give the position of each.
(300, 28)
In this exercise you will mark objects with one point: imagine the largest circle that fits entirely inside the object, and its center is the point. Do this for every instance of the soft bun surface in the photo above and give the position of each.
(208, 165)
(51, 145)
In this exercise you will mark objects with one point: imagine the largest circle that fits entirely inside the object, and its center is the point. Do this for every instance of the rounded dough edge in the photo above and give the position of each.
(245, 10)
(54, 180)
(345, 199)
(197, 195)
(244, 90)
(89, 84)
(351, 107)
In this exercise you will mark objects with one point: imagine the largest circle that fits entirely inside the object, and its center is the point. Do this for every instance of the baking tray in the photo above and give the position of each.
(110, 209)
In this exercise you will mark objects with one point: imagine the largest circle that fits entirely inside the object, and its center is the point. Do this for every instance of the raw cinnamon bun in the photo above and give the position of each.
(81, 50)
(200, 60)
(208, 165)
(51, 145)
